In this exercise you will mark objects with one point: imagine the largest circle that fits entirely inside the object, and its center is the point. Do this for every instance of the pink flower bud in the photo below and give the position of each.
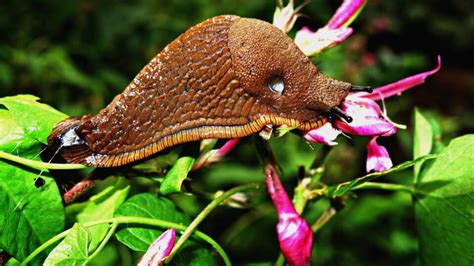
(377, 157)
(226, 148)
(294, 233)
(159, 249)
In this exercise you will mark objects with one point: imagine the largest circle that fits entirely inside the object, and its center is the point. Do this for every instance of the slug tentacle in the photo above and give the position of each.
(226, 77)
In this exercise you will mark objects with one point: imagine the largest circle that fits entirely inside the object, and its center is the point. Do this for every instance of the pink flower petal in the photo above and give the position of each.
(378, 158)
(399, 86)
(159, 250)
(367, 118)
(324, 135)
(312, 43)
(352, 101)
(346, 13)
(294, 234)
(296, 240)
(285, 17)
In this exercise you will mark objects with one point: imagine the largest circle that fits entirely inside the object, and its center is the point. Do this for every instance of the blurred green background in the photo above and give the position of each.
(76, 55)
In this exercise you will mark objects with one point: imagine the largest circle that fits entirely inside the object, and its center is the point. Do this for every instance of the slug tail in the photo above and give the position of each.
(57, 134)
(65, 141)
(80, 154)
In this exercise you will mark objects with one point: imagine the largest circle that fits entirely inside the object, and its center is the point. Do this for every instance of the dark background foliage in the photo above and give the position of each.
(76, 55)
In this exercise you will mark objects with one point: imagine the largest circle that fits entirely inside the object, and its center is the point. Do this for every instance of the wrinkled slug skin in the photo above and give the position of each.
(211, 82)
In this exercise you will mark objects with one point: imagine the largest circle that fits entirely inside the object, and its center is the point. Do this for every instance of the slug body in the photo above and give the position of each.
(226, 77)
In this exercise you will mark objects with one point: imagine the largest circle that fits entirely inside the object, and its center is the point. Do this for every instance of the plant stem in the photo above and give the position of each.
(40, 165)
(384, 186)
(130, 220)
(43, 246)
(320, 157)
(245, 221)
(204, 213)
(325, 217)
(106, 239)
(343, 188)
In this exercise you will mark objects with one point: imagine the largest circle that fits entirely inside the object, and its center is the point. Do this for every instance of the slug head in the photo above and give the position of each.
(273, 69)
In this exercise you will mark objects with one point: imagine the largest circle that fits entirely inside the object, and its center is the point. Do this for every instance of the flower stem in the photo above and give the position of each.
(245, 221)
(40, 165)
(204, 213)
(323, 219)
(130, 220)
(106, 239)
(320, 157)
(385, 186)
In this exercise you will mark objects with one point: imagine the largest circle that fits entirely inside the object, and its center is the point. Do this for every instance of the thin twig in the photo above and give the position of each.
(323, 219)
(204, 213)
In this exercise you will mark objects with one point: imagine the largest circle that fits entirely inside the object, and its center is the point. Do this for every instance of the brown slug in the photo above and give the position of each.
(227, 77)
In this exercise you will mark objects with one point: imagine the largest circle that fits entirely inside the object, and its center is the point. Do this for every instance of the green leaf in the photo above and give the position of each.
(150, 206)
(73, 250)
(427, 139)
(343, 188)
(423, 139)
(11, 135)
(28, 215)
(113, 253)
(103, 206)
(12, 262)
(444, 206)
(177, 174)
(34, 118)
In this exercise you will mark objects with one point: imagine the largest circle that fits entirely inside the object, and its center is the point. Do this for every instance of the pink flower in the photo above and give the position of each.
(399, 86)
(377, 157)
(159, 249)
(313, 43)
(368, 119)
(336, 31)
(294, 234)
